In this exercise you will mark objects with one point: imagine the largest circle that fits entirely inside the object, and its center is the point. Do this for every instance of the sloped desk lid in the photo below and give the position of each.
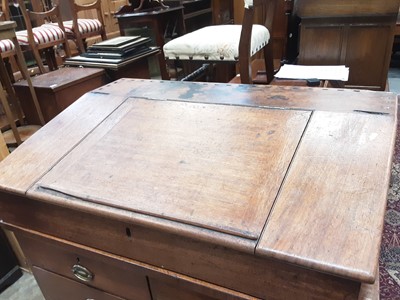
(214, 166)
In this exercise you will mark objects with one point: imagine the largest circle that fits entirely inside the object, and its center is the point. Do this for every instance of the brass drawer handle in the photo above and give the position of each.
(82, 273)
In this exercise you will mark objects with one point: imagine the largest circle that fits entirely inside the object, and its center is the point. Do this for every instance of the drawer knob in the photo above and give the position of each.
(82, 273)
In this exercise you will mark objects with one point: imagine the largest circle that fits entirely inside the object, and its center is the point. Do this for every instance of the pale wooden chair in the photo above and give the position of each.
(9, 49)
(79, 29)
(230, 43)
(40, 37)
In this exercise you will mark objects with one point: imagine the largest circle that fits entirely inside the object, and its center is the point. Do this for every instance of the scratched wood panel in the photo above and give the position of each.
(287, 97)
(329, 214)
(214, 166)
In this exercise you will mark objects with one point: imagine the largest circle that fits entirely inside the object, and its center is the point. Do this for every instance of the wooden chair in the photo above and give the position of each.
(40, 37)
(79, 29)
(230, 43)
(9, 48)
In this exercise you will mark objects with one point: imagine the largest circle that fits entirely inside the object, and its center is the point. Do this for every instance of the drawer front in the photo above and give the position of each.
(56, 287)
(115, 275)
(89, 268)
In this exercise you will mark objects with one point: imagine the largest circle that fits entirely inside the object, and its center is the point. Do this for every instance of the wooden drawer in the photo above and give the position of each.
(56, 287)
(108, 275)
(112, 274)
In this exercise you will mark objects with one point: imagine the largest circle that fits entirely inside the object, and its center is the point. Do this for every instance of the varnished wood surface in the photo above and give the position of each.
(214, 166)
(331, 181)
(334, 197)
(77, 121)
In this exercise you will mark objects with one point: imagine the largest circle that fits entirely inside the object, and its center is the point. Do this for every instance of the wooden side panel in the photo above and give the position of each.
(334, 189)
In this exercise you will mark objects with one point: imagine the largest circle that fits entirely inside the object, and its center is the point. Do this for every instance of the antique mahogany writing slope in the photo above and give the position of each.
(168, 190)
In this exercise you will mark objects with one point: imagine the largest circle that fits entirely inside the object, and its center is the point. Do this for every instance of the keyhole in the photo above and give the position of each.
(128, 232)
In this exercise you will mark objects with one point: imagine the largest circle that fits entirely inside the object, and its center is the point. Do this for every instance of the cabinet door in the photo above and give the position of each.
(56, 287)
(368, 55)
(320, 45)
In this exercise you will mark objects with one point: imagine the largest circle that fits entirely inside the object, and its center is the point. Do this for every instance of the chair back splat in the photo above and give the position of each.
(79, 29)
(267, 9)
(230, 43)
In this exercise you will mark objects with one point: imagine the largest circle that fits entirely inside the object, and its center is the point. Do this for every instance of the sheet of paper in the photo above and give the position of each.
(319, 72)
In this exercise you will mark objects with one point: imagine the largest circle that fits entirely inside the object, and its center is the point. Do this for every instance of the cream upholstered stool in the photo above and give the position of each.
(230, 43)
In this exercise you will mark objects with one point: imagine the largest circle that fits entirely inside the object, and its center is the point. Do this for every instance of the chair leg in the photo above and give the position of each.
(67, 49)
(50, 58)
(79, 42)
(245, 70)
(6, 81)
(39, 62)
(269, 62)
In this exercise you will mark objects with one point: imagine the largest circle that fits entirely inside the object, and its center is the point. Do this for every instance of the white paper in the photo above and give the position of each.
(320, 72)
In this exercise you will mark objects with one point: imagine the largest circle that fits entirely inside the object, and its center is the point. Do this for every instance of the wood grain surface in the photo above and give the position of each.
(214, 166)
(331, 207)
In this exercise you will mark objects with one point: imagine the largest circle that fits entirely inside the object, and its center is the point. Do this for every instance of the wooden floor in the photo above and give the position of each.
(25, 288)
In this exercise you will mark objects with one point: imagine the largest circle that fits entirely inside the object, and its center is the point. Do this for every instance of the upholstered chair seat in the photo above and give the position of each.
(6, 46)
(215, 43)
(41, 35)
(229, 43)
(86, 26)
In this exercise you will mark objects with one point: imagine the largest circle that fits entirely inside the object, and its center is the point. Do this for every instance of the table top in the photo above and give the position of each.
(5, 25)
(297, 174)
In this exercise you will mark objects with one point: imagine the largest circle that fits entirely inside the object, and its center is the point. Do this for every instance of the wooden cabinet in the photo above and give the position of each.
(358, 34)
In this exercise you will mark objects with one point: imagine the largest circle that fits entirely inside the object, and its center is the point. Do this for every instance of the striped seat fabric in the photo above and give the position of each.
(85, 26)
(42, 35)
(6, 46)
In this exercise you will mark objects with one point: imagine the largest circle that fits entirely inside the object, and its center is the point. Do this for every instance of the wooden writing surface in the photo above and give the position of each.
(330, 209)
(214, 166)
